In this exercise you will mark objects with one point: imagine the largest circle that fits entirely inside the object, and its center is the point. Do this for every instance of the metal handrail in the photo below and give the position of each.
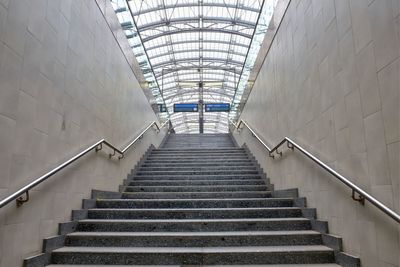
(96, 146)
(362, 195)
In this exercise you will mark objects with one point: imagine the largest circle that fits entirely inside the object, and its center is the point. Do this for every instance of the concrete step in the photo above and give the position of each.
(196, 195)
(197, 168)
(194, 225)
(196, 188)
(242, 265)
(199, 213)
(194, 203)
(200, 157)
(179, 177)
(197, 161)
(198, 152)
(191, 255)
(200, 149)
(200, 145)
(193, 159)
(197, 164)
(195, 172)
(193, 239)
(194, 182)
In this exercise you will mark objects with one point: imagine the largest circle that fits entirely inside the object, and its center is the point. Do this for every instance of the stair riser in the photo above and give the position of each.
(228, 149)
(194, 172)
(197, 169)
(195, 188)
(194, 204)
(197, 195)
(197, 177)
(197, 165)
(194, 183)
(182, 214)
(193, 258)
(196, 161)
(193, 241)
(199, 153)
(196, 226)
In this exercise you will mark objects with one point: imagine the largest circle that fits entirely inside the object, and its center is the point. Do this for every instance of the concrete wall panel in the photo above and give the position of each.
(337, 94)
(64, 84)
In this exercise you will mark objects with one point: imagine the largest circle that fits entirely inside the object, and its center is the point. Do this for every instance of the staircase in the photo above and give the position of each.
(197, 201)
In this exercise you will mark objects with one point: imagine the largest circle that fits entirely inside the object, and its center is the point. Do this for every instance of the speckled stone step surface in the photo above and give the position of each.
(197, 177)
(195, 188)
(199, 213)
(194, 239)
(195, 182)
(195, 203)
(258, 265)
(197, 195)
(152, 225)
(195, 255)
(198, 201)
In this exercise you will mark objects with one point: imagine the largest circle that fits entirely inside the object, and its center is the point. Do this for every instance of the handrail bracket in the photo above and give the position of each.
(359, 198)
(21, 200)
(113, 154)
(99, 147)
(290, 145)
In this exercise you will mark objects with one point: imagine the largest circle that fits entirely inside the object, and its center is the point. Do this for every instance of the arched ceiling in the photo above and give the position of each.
(180, 43)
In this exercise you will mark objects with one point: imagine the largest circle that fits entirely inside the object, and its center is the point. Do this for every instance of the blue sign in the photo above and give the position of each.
(186, 107)
(162, 108)
(218, 107)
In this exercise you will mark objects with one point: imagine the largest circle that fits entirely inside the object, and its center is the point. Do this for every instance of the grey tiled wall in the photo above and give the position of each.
(64, 84)
(331, 81)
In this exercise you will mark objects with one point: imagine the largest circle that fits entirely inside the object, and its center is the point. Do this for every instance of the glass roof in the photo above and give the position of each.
(180, 44)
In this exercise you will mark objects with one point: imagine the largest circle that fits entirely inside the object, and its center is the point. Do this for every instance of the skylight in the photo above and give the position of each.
(180, 43)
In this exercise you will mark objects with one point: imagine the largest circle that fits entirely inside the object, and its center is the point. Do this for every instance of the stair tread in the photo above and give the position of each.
(197, 220)
(196, 186)
(201, 192)
(191, 199)
(263, 265)
(180, 234)
(244, 249)
(195, 209)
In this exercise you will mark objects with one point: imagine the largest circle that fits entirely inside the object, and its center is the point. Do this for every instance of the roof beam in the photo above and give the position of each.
(196, 42)
(196, 59)
(224, 20)
(167, 75)
(171, 70)
(190, 30)
(197, 50)
(208, 4)
(197, 91)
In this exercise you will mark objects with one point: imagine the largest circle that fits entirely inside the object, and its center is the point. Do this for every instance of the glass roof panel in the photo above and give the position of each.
(182, 44)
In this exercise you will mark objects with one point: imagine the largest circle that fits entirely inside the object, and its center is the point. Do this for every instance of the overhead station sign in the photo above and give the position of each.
(186, 107)
(162, 108)
(217, 107)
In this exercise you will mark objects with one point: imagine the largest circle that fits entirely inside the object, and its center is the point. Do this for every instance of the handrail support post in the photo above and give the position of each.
(21, 200)
(112, 155)
(359, 198)
(100, 147)
(289, 145)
